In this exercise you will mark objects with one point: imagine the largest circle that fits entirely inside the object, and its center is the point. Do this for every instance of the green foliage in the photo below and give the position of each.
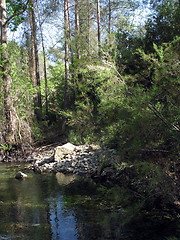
(163, 26)
(22, 89)
(88, 88)
(13, 9)
(56, 86)
(126, 121)
(21, 92)
(128, 98)
(5, 147)
(164, 91)
(116, 196)
(37, 131)
(123, 115)
(148, 170)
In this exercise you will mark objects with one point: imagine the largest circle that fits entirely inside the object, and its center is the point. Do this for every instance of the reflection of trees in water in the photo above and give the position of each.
(23, 212)
(63, 222)
(92, 222)
(60, 208)
(97, 224)
(70, 220)
(28, 204)
(97, 217)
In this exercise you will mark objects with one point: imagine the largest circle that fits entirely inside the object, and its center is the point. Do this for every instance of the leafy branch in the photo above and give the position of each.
(18, 13)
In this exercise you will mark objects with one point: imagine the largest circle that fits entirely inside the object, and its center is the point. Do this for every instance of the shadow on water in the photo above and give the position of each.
(59, 207)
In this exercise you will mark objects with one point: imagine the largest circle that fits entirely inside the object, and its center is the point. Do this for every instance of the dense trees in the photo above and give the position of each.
(35, 62)
(163, 25)
(111, 79)
(12, 124)
(6, 78)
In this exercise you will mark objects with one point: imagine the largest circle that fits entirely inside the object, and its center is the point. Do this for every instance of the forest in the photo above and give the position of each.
(91, 71)
(103, 77)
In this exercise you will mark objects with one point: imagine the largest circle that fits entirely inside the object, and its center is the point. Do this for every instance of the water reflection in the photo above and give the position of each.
(23, 214)
(63, 222)
(63, 179)
(59, 207)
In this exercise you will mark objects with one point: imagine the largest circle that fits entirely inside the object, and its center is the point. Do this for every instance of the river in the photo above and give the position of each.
(59, 207)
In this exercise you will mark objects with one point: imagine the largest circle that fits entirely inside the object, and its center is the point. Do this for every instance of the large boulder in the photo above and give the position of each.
(62, 151)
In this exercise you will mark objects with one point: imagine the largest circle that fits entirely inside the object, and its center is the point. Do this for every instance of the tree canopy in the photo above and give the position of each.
(110, 74)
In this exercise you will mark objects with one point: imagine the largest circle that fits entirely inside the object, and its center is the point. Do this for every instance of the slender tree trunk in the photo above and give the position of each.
(99, 28)
(77, 28)
(89, 17)
(31, 63)
(44, 62)
(10, 113)
(37, 83)
(109, 22)
(66, 58)
(71, 49)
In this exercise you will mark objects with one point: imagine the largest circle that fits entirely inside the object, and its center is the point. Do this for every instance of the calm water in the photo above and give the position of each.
(58, 207)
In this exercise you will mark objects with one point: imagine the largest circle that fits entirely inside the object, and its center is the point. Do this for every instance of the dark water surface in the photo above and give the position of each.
(58, 207)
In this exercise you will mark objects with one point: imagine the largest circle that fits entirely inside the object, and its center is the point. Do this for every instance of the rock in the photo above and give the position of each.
(81, 160)
(62, 151)
(108, 172)
(30, 159)
(46, 161)
(93, 147)
(20, 175)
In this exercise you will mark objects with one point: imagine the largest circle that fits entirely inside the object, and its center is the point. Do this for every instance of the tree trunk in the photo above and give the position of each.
(89, 19)
(99, 28)
(66, 58)
(31, 63)
(77, 28)
(37, 83)
(44, 63)
(109, 22)
(10, 113)
(71, 48)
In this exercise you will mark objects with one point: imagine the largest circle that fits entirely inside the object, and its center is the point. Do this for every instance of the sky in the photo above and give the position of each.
(53, 32)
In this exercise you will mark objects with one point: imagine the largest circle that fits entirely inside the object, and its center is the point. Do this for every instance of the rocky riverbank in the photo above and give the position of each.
(89, 160)
(102, 164)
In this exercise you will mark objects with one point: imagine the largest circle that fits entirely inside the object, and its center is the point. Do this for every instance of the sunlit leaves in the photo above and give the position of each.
(13, 8)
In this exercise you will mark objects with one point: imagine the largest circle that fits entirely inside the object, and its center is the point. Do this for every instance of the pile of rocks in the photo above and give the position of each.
(101, 164)
(81, 160)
